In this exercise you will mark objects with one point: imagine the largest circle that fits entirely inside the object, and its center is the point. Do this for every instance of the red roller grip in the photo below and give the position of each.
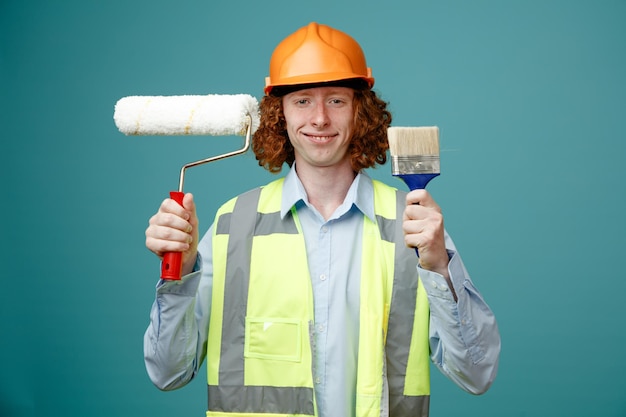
(173, 261)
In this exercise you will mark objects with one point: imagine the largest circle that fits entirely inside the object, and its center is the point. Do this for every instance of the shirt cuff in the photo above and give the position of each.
(436, 285)
(187, 285)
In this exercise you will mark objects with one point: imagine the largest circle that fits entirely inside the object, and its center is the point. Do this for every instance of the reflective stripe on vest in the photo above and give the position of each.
(259, 358)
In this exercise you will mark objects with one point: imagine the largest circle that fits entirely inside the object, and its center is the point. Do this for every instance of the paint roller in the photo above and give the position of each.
(207, 115)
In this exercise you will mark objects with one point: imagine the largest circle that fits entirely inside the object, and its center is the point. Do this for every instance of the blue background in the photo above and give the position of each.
(529, 97)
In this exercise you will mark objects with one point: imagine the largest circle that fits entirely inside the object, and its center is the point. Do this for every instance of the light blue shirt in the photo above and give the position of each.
(464, 338)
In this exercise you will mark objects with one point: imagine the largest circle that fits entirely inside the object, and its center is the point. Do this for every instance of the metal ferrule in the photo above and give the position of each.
(415, 164)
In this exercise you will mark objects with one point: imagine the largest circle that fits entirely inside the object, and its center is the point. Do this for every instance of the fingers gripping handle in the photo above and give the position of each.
(417, 182)
(173, 261)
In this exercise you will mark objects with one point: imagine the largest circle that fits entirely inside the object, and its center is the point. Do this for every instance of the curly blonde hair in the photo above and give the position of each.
(368, 145)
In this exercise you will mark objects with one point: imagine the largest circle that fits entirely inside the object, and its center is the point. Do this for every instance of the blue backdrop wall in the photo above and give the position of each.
(529, 97)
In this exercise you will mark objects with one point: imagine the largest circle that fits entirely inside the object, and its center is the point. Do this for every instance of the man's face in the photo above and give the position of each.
(319, 125)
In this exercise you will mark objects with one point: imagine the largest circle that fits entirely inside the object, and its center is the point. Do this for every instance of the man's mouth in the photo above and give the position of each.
(320, 138)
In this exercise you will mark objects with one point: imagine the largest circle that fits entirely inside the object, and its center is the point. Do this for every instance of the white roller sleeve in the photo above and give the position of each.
(213, 114)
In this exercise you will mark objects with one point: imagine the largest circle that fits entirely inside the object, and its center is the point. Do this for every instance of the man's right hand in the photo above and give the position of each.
(174, 228)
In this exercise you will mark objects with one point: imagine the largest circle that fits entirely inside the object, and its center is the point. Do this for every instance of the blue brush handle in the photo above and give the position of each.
(416, 182)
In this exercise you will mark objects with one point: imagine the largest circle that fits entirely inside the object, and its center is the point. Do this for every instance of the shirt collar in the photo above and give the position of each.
(360, 194)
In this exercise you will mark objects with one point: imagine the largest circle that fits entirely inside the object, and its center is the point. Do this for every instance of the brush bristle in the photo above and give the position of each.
(411, 141)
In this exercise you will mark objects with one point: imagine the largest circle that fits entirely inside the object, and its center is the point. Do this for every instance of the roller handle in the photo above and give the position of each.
(172, 264)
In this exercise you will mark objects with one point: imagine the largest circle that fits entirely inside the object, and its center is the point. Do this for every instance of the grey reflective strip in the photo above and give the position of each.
(223, 224)
(232, 395)
(387, 228)
(403, 406)
(401, 317)
(236, 289)
(255, 399)
(266, 224)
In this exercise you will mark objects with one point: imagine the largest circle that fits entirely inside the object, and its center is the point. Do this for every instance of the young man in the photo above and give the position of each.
(306, 296)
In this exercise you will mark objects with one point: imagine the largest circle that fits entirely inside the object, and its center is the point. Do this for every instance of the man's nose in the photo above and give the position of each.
(320, 115)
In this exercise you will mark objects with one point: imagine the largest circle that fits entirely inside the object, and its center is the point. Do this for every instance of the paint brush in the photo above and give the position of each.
(414, 154)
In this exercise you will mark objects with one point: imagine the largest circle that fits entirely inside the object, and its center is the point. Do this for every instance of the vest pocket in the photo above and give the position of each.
(273, 338)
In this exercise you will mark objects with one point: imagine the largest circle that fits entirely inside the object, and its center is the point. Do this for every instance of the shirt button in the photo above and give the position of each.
(318, 380)
(320, 328)
(324, 229)
(323, 277)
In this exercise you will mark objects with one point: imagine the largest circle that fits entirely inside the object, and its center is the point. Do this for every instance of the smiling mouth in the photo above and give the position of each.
(320, 138)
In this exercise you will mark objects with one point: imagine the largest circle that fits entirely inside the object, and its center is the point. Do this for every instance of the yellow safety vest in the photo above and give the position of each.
(259, 360)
